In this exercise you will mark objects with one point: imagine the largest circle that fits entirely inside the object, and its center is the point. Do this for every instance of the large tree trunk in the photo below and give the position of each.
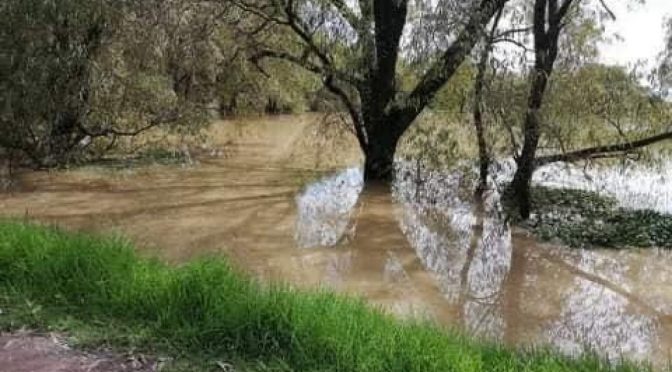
(483, 155)
(520, 186)
(546, 52)
(369, 90)
(520, 190)
(379, 156)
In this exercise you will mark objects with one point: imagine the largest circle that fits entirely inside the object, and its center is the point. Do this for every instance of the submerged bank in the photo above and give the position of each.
(206, 311)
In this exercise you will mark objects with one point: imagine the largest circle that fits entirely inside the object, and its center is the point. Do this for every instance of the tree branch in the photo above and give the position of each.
(301, 29)
(511, 41)
(439, 73)
(608, 10)
(302, 62)
(353, 20)
(513, 31)
(159, 120)
(602, 151)
(562, 12)
(390, 18)
(353, 110)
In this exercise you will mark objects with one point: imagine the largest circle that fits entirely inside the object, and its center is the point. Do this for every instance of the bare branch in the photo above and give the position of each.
(603, 151)
(511, 41)
(291, 19)
(513, 31)
(608, 10)
(353, 110)
(300, 61)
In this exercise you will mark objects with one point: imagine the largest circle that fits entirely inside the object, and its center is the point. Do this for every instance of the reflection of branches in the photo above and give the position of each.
(471, 253)
(513, 289)
(602, 282)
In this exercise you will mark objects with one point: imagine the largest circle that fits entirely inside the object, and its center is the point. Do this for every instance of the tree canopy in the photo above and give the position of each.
(77, 76)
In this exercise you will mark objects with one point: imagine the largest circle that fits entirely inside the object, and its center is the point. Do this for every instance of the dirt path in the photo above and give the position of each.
(25, 352)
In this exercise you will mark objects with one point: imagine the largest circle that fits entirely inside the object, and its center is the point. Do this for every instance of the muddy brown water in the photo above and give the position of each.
(285, 205)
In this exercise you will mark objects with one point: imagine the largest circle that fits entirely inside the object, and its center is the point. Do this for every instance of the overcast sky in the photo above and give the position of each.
(641, 27)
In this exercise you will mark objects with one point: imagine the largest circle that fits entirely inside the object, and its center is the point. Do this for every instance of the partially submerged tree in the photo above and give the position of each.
(356, 49)
(549, 17)
(550, 21)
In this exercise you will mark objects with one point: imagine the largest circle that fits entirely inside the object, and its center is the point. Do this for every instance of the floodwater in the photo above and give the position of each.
(286, 205)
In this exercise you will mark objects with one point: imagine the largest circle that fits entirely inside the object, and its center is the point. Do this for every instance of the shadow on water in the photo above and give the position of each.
(423, 249)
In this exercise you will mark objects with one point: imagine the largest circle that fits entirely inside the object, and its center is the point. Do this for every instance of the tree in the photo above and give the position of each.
(47, 70)
(78, 74)
(356, 50)
(550, 20)
(481, 82)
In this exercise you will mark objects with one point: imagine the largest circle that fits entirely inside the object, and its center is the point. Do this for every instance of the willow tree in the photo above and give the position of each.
(550, 21)
(78, 75)
(549, 17)
(356, 48)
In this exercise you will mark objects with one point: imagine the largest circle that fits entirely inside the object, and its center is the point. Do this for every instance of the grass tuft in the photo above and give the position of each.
(101, 292)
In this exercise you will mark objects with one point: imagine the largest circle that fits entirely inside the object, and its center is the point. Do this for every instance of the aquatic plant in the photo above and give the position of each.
(582, 218)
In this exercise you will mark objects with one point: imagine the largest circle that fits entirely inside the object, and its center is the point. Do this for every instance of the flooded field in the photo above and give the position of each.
(285, 205)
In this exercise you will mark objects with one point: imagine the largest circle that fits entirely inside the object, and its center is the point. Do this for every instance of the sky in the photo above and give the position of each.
(641, 27)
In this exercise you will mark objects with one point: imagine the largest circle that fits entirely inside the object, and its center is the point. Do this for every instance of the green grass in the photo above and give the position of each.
(99, 291)
(582, 219)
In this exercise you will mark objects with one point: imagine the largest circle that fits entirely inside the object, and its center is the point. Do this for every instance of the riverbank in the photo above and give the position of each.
(100, 292)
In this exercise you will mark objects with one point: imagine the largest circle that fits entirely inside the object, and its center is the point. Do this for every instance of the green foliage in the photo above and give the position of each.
(585, 106)
(78, 77)
(255, 87)
(433, 142)
(284, 88)
(455, 97)
(80, 74)
(48, 47)
(98, 289)
(586, 219)
(598, 105)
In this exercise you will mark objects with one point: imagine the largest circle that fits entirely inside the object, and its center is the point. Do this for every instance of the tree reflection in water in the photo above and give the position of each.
(424, 247)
